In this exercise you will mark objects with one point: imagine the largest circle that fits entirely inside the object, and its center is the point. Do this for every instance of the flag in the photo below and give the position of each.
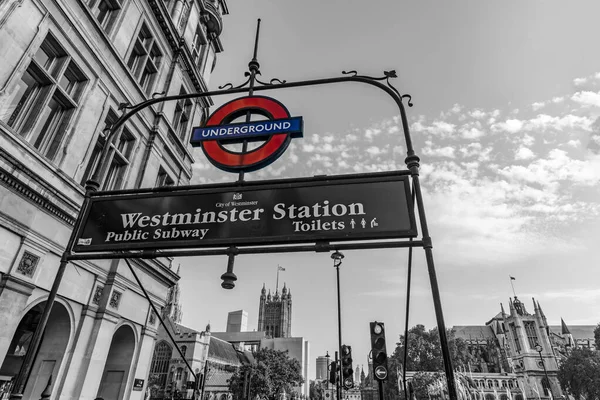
(280, 268)
(512, 278)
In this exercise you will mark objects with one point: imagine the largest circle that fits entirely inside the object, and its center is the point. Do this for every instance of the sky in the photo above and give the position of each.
(506, 122)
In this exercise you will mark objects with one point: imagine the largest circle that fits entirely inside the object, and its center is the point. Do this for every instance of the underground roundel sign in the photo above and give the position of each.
(275, 133)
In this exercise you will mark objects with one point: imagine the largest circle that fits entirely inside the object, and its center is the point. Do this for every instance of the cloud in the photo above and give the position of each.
(510, 126)
(524, 154)
(587, 98)
(536, 106)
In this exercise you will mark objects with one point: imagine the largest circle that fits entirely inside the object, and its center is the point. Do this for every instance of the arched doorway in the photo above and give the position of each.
(51, 351)
(118, 364)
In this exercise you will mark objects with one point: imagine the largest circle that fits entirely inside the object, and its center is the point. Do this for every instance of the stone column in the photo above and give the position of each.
(96, 353)
(81, 355)
(14, 293)
(142, 364)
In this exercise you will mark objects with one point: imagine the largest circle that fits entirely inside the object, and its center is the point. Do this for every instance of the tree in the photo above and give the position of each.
(273, 372)
(424, 354)
(597, 337)
(425, 351)
(580, 374)
(315, 390)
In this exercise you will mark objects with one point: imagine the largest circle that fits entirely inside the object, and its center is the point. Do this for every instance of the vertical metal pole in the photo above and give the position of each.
(205, 378)
(338, 386)
(413, 164)
(546, 374)
(253, 66)
(34, 346)
(380, 389)
(337, 268)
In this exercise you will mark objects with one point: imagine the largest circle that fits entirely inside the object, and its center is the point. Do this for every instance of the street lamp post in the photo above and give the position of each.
(327, 374)
(337, 261)
(539, 349)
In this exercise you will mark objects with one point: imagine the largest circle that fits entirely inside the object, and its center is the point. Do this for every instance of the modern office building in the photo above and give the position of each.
(68, 70)
(237, 321)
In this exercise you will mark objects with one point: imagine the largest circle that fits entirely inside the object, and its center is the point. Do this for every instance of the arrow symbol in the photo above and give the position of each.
(363, 223)
(352, 223)
(374, 223)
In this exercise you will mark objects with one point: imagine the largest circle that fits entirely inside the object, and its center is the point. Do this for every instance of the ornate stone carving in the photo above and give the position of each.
(97, 295)
(28, 264)
(152, 320)
(115, 299)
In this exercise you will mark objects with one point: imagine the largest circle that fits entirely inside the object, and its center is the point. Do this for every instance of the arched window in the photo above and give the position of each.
(546, 386)
(159, 368)
(519, 397)
(489, 396)
(490, 384)
(503, 396)
(503, 383)
(510, 384)
(183, 350)
(178, 375)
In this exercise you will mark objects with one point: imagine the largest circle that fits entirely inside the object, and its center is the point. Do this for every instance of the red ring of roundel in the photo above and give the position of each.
(257, 158)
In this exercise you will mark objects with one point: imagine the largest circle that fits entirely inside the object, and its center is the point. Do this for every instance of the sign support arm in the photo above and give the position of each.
(162, 322)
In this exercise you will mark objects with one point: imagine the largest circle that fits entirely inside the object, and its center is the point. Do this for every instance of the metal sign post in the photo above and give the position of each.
(85, 242)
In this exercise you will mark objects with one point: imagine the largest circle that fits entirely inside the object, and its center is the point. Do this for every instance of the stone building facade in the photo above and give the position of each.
(508, 364)
(275, 313)
(68, 67)
(213, 360)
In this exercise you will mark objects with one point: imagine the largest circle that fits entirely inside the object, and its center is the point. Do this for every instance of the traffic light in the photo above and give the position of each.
(347, 371)
(380, 365)
(333, 373)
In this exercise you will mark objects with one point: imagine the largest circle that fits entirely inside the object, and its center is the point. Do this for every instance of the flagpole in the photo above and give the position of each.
(277, 283)
(512, 286)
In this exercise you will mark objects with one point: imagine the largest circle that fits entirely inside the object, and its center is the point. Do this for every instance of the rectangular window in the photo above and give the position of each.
(182, 115)
(111, 118)
(105, 11)
(41, 104)
(145, 59)
(531, 332)
(119, 155)
(122, 148)
(513, 329)
(163, 179)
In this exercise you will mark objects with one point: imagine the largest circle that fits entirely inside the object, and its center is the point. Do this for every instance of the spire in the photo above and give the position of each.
(208, 327)
(511, 307)
(284, 290)
(178, 268)
(269, 295)
(565, 329)
(541, 311)
(263, 290)
(502, 308)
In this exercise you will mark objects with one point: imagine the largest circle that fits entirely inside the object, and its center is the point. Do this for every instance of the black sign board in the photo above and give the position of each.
(336, 208)
(138, 384)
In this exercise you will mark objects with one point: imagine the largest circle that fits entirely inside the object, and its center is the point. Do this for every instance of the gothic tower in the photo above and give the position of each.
(275, 313)
(172, 309)
(529, 349)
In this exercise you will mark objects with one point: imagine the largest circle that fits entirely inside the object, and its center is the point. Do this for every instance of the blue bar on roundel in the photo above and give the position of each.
(246, 130)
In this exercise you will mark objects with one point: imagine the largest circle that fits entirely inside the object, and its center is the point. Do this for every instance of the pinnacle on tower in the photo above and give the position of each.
(564, 327)
(502, 308)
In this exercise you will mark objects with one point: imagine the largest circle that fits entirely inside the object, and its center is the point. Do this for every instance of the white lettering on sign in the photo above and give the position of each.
(320, 216)
(317, 210)
(243, 129)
